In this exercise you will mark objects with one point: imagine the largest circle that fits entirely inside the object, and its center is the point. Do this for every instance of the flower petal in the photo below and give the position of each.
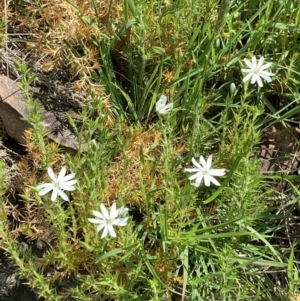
(247, 70)
(98, 214)
(45, 185)
(111, 230)
(208, 162)
(45, 190)
(167, 108)
(104, 211)
(63, 195)
(253, 79)
(105, 231)
(100, 227)
(192, 169)
(160, 103)
(113, 211)
(199, 180)
(62, 173)
(254, 65)
(207, 180)
(266, 73)
(54, 195)
(213, 180)
(266, 77)
(259, 81)
(248, 63)
(197, 164)
(203, 162)
(51, 174)
(260, 62)
(120, 221)
(69, 177)
(196, 175)
(217, 172)
(123, 211)
(96, 221)
(265, 66)
(247, 77)
(67, 187)
(163, 99)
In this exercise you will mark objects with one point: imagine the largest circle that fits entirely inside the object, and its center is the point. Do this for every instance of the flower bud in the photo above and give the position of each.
(232, 89)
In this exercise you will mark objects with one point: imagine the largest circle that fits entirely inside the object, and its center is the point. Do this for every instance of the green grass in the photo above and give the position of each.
(238, 241)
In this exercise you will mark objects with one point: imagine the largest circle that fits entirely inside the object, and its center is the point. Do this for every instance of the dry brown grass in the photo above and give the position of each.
(58, 30)
(26, 218)
(131, 171)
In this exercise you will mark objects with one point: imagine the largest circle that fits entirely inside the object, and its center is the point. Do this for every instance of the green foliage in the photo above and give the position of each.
(2, 31)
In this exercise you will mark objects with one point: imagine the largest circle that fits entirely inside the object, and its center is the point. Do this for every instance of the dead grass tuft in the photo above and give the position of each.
(132, 173)
(31, 162)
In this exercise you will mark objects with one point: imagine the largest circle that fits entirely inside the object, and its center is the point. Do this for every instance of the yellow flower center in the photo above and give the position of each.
(56, 184)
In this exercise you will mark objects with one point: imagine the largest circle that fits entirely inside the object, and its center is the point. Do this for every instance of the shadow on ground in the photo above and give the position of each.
(11, 287)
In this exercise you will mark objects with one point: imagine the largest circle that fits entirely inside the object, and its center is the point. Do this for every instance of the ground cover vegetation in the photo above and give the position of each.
(165, 199)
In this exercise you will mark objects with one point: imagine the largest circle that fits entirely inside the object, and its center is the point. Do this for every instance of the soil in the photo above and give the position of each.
(12, 288)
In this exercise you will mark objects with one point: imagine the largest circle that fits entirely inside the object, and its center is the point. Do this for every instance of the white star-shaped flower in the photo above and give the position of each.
(116, 217)
(256, 71)
(58, 184)
(162, 107)
(203, 170)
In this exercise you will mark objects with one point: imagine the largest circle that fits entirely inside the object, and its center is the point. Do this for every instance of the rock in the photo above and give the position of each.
(12, 109)
(15, 116)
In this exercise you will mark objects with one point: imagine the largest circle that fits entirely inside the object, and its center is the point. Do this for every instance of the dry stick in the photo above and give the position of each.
(10, 151)
(223, 11)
